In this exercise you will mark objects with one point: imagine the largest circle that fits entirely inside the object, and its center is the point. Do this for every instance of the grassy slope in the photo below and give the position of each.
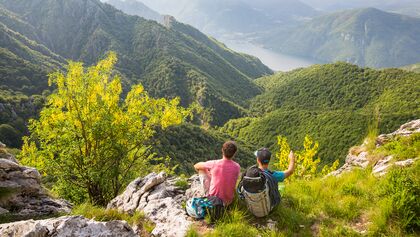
(354, 204)
(333, 103)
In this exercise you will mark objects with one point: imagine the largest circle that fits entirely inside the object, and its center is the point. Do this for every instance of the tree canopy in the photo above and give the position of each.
(92, 140)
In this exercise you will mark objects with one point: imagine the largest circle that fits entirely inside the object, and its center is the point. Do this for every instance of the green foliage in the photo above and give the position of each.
(334, 103)
(174, 60)
(10, 136)
(401, 190)
(188, 144)
(306, 164)
(182, 182)
(101, 214)
(89, 139)
(333, 205)
(401, 148)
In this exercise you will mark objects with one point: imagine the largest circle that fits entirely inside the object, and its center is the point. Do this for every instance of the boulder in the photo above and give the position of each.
(22, 195)
(161, 200)
(67, 226)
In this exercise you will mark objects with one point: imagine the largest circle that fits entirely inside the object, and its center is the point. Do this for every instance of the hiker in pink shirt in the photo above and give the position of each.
(219, 177)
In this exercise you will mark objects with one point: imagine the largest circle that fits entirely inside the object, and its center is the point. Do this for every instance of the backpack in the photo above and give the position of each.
(199, 207)
(259, 191)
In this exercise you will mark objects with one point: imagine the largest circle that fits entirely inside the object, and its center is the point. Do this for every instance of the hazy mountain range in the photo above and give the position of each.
(408, 7)
(218, 17)
(366, 37)
(133, 7)
(363, 36)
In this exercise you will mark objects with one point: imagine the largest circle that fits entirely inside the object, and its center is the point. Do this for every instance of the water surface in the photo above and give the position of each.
(275, 61)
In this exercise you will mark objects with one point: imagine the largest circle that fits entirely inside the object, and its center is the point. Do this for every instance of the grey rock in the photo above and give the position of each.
(405, 163)
(405, 130)
(157, 196)
(382, 166)
(195, 189)
(25, 197)
(67, 226)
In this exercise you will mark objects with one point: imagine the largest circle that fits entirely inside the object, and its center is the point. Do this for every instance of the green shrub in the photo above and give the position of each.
(182, 182)
(401, 148)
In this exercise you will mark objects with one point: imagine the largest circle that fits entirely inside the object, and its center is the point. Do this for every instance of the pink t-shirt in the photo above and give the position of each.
(224, 174)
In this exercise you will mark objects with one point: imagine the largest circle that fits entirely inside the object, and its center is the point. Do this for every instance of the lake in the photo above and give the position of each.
(275, 61)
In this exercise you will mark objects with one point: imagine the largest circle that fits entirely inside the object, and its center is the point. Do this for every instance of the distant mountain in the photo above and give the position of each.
(334, 103)
(168, 62)
(406, 7)
(133, 7)
(218, 17)
(366, 37)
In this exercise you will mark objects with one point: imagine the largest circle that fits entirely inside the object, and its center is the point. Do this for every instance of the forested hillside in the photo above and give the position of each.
(39, 36)
(334, 103)
(366, 37)
(412, 67)
(166, 61)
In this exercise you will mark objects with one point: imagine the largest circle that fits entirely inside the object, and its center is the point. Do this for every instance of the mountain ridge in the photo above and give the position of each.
(367, 37)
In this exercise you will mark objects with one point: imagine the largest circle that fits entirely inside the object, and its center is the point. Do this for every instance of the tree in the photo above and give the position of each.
(88, 137)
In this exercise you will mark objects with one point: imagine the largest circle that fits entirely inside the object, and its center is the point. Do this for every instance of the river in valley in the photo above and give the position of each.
(274, 60)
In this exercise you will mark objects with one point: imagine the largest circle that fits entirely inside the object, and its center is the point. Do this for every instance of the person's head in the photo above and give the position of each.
(263, 157)
(229, 149)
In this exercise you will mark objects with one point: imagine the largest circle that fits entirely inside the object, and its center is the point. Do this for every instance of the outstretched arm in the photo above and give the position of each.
(291, 168)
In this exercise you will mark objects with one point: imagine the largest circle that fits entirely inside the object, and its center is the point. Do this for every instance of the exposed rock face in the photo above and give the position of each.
(160, 200)
(67, 226)
(380, 168)
(22, 195)
(405, 130)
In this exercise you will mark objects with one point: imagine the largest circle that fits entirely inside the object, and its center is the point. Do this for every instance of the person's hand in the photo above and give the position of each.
(291, 156)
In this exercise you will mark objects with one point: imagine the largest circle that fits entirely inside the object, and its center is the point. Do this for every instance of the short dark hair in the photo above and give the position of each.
(263, 155)
(229, 149)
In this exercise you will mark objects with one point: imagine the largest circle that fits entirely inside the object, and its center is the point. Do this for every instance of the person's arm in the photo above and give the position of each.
(200, 166)
(204, 166)
(291, 168)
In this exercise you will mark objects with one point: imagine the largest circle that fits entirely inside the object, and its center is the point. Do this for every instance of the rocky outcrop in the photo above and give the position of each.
(67, 226)
(405, 130)
(21, 193)
(359, 157)
(161, 200)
